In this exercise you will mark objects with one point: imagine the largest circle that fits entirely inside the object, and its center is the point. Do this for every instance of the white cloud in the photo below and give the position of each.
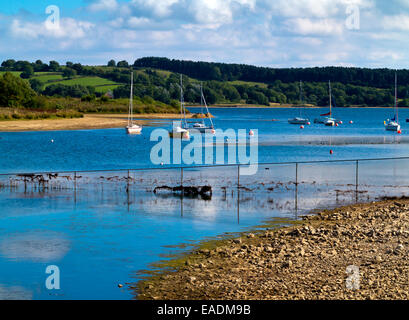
(68, 29)
(384, 55)
(104, 5)
(160, 8)
(305, 26)
(217, 12)
(397, 22)
(135, 22)
(314, 8)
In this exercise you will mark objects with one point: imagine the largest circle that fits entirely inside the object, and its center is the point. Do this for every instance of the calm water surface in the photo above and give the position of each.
(99, 235)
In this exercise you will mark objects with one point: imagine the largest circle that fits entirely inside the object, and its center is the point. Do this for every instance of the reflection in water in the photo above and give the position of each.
(35, 246)
(103, 229)
(15, 293)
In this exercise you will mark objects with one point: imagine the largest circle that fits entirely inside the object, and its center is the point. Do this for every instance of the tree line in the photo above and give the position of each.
(379, 78)
(226, 83)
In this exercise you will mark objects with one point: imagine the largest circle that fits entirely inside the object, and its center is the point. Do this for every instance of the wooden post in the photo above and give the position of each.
(356, 179)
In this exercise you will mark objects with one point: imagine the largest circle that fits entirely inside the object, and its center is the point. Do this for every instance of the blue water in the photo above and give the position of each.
(101, 236)
(111, 148)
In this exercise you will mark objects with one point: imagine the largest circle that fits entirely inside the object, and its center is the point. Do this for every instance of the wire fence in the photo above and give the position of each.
(305, 185)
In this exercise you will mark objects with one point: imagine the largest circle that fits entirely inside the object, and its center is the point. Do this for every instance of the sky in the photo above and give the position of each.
(272, 33)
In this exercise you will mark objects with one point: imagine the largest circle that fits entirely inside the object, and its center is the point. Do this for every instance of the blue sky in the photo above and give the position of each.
(277, 33)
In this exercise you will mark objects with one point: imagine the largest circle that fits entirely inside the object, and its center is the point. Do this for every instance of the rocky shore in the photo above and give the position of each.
(353, 252)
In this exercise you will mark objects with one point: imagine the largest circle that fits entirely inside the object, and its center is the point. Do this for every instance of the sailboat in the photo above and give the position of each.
(300, 119)
(180, 129)
(132, 128)
(328, 120)
(393, 124)
(201, 126)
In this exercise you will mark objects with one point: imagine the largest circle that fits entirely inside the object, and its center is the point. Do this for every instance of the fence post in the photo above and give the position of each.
(356, 179)
(238, 193)
(296, 188)
(182, 192)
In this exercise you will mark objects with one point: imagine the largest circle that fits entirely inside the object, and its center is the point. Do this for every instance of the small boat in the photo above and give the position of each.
(328, 120)
(393, 124)
(300, 119)
(201, 126)
(179, 133)
(180, 130)
(132, 128)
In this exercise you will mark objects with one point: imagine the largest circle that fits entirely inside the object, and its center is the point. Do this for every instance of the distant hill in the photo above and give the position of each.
(158, 79)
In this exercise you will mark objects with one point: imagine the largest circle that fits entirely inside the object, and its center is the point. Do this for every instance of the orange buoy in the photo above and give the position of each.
(399, 131)
(213, 131)
(336, 124)
(251, 133)
(351, 122)
(331, 152)
(308, 123)
(340, 122)
(302, 127)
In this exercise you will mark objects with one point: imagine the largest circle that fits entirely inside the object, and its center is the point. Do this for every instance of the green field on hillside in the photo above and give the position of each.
(16, 73)
(105, 89)
(86, 81)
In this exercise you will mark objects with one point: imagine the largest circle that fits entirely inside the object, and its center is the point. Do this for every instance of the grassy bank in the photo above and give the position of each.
(307, 260)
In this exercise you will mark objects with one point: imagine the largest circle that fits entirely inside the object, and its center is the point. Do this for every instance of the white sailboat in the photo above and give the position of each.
(180, 130)
(132, 128)
(201, 126)
(300, 119)
(393, 124)
(327, 120)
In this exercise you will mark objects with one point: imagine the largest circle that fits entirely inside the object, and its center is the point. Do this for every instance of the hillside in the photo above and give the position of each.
(157, 81)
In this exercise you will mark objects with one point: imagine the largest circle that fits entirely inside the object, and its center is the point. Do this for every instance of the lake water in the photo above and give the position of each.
(100, 235)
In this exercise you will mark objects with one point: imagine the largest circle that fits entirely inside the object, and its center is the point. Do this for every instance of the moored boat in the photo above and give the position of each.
(300, 119)
(201, 126)
(132, 128)
(180, 130)
(327, 118)
(393, 124)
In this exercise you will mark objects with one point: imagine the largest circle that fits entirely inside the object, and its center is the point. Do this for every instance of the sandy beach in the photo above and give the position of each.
(89, 121)
(353, 252)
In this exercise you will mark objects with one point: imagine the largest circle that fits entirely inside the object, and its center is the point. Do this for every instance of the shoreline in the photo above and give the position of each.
(285, 106)
(307, 260)
(89, 121)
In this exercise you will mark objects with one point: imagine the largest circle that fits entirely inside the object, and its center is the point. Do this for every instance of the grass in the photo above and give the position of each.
(249, 83)
(85, 81)
(7, 114)
(106, 88)
(14, 73)
(45, 77)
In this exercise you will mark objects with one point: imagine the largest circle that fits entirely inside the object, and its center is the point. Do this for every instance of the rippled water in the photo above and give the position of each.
(100, 235)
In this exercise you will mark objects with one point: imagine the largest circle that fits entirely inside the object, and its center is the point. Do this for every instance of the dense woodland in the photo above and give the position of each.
(157, 79)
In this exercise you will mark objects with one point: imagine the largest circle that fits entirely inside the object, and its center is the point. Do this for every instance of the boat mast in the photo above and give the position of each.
(201, 100)
(301, 102)
(182, 103)
(330, 99)
(396, 97)
(207, 109)
(130, 115)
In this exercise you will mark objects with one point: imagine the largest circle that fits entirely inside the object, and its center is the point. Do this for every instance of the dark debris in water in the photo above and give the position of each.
(205, 192)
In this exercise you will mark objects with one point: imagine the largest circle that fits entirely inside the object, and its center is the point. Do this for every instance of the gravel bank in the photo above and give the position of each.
(308, 260)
